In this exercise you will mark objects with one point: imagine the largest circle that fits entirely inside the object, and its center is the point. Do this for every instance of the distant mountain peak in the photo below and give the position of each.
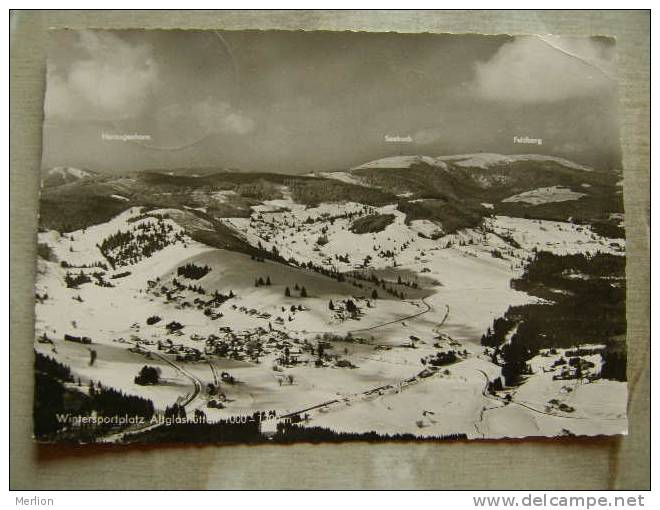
(59, 175)
(485, 160)
(402, 162)
(481, 160)
(66, 171)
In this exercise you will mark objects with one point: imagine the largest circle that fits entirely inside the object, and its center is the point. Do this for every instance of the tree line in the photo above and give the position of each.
(588, 306)
(193, 271)
(58, 392)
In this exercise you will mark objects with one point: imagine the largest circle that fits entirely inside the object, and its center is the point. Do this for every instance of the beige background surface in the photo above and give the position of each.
(541, 464)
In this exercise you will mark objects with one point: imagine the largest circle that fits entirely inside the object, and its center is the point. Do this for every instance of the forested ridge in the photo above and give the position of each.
(585, 305)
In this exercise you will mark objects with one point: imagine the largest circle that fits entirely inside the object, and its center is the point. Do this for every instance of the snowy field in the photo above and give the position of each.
(546, 195)
(284, 337)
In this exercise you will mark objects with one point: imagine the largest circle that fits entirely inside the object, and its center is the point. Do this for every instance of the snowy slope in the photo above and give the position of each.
(402, 162)
(63, 175)
(69, 172)
(464, 284)
(487, 160)
(545, 195)
(341, 176)
(477, 160)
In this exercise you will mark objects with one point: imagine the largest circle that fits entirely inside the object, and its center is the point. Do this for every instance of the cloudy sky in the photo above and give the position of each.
(299, 102)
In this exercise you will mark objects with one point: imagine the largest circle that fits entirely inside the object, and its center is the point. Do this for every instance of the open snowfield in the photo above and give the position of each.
(441, 404)
(486, 160)
(402, 162)
(554, 236)
(478, 160)
(116, 367)
(341, 176)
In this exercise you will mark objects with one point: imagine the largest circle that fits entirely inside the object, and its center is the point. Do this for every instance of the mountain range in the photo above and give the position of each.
(454, 191)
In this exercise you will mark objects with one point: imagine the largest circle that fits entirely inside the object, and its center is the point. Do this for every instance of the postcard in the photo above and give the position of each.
(273, 236)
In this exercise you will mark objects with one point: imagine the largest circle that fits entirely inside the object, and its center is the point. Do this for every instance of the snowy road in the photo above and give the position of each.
(186, 403)
(428, 309)
(197, 383)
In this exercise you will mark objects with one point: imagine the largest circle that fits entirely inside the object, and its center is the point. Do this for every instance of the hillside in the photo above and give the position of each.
(459, 190)
(353, 304)
(453, 191)
(342, 312)
(220, 194)
(63, 175)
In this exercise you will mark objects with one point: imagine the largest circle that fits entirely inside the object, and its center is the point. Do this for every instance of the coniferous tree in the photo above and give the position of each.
(148, 375)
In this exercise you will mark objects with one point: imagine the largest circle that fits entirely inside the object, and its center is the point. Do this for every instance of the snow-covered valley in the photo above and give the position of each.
(344, 315)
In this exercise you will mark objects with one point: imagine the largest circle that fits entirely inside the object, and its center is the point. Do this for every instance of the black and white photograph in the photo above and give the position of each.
(270, 236)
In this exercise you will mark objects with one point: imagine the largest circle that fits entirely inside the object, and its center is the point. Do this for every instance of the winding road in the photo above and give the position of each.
(423, 300)
(187, 401)
(197, 383)
(530, 408)
(391, 386)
